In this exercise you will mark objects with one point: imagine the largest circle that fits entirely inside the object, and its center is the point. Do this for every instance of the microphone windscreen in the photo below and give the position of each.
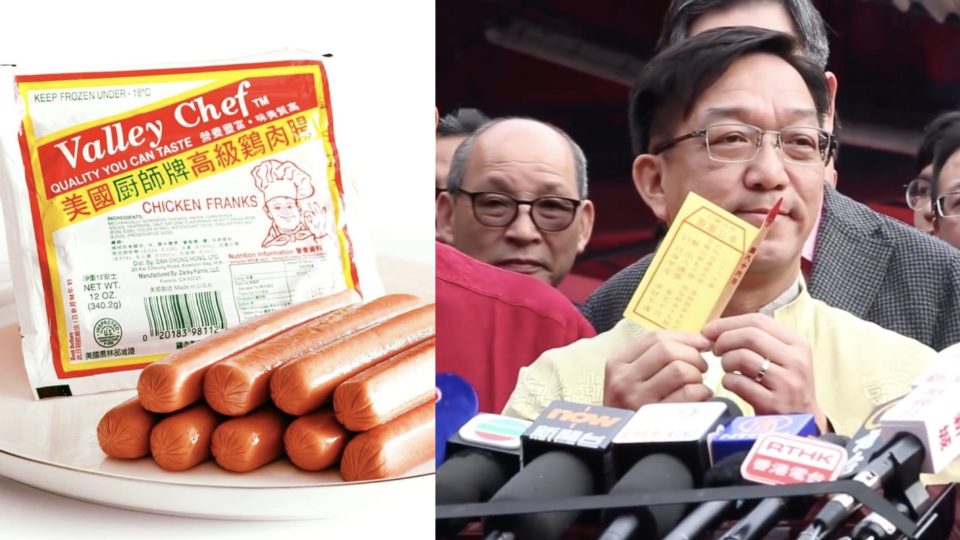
(725, 472)
(456, 403)
(470, 476)
(554, 475)
(656, 472)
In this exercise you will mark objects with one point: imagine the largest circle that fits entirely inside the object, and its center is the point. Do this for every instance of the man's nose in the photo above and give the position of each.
(767, 170)
(523, 230)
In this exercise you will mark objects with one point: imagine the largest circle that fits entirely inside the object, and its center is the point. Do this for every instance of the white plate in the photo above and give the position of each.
(52, 445)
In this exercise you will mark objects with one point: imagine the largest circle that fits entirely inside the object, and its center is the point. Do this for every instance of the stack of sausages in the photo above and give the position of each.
(328, 381)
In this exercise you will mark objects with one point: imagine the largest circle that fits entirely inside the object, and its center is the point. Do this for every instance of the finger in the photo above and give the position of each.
(638, 347)
(742, 361)
(714, 329)
(662, 354)
(761, 398)
(671, 378)
(751, 339)
(690, 393)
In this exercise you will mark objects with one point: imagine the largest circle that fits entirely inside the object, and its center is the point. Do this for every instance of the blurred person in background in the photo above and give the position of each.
(918, 189)
(452, 130)
(945, 187)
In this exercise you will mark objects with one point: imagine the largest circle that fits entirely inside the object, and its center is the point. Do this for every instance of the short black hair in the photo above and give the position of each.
(932, 133)
(461, 122)
(670, 84)
(807, 22)
(946, 145)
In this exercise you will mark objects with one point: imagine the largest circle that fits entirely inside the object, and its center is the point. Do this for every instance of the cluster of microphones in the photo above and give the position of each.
(683, 471)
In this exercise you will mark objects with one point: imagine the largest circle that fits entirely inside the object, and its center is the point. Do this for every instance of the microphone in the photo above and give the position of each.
(566, 453)
(743, 432)
(483, 455)
(767, 513)
(728, 451)
(674, 437)
(652, 473)
(553, 475)
(919, 435)
(895, 464)
(876, 527)
(681, 430)
(867, 441)
(455, 403)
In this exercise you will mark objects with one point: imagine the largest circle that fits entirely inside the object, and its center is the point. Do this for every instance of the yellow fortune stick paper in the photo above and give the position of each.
(697, 267)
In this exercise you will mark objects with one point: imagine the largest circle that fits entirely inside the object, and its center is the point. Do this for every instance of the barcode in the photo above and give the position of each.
(184, 312)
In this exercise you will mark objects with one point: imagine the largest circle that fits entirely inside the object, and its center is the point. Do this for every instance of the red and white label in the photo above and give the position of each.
(786, 459)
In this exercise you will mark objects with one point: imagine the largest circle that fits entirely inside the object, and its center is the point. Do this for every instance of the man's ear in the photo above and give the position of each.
(832, 89)
(586, 225)
(648, 180)
(445, 218)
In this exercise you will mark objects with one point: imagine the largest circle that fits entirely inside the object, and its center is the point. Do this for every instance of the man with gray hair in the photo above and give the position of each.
(517, 198)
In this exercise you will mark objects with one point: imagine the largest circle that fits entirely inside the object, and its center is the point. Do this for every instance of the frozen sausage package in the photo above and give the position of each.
(147, 209)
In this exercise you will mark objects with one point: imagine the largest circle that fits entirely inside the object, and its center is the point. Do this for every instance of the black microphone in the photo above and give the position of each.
(728, 450)
(900, 460)
(877, 527)
(653, 473)
(767, 513)
(708, 515)
(566, 453)
(553, 475)
(676, 435)
(681, 430)
(483, 454)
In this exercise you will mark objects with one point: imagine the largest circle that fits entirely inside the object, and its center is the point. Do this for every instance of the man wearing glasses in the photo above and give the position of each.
(736, 115)
(945, 187)
(855, 259)
(918, 189)
(517, 199)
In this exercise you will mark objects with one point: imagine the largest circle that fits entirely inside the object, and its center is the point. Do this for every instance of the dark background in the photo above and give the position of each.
(896, 71)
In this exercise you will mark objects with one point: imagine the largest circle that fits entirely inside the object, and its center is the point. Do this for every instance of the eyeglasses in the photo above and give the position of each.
(495, 209)
(739, 143)
(918, 193)
(438, 192)
(948, 205)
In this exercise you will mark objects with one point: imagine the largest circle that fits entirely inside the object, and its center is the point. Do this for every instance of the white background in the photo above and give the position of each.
(385, 50)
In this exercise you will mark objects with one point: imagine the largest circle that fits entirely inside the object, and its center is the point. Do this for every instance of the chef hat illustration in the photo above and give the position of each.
(282, 179)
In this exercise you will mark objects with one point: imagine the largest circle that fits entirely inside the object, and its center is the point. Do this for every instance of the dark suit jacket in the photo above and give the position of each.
(873, 266)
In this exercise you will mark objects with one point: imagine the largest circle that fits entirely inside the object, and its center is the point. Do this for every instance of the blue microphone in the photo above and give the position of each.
(456, 404)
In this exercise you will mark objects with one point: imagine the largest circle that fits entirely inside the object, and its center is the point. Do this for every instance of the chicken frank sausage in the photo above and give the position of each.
(241, 383)
(307, 383)
(177, 381)
(387, 390)
(391, 449)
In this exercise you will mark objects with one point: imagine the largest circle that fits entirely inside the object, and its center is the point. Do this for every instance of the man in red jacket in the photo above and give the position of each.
(492, 322)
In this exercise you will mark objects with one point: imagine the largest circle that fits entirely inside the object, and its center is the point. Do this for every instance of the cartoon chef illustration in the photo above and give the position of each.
(284, 186)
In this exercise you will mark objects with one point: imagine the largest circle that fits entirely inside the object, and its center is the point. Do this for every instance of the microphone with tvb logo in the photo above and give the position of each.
(481, 457)
(566, 453)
